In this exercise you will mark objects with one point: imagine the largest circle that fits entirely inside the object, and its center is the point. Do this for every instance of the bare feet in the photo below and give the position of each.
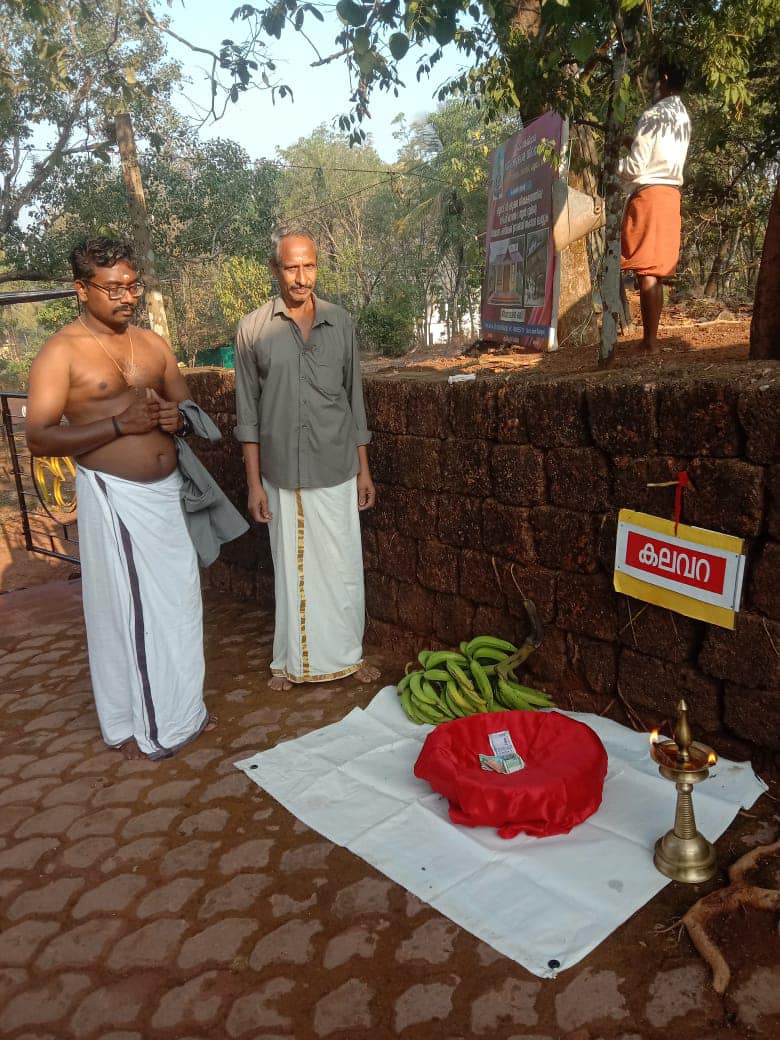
(650, 347)
(278, 682)
(211, 724)
(130, 750)
(367, 673)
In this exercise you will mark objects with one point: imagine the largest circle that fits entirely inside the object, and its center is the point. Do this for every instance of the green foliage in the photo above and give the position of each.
(53, 314)
(347, 200)
(387, 326)
(242, 285)
(14, 372)
(208, 202)
(68, 68)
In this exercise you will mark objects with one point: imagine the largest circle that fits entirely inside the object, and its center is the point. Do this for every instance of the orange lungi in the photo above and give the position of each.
(650, 239)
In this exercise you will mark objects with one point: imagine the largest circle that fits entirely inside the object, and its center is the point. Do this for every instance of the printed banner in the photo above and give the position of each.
(691, 571)
(521, 284)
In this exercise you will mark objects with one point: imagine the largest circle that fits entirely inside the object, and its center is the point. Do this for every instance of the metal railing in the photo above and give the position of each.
(45, 488)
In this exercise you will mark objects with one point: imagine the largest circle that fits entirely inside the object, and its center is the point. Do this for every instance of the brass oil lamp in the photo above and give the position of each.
(684, 854)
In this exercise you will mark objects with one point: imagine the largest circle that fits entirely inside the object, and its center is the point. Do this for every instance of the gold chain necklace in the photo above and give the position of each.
(127, 372)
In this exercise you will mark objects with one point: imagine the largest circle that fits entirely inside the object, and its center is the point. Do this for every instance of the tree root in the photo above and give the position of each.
(738, 894)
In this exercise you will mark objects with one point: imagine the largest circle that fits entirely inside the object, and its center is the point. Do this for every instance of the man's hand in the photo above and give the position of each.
(366, 491)
(141, 415)
(257, 503)
(168, 416)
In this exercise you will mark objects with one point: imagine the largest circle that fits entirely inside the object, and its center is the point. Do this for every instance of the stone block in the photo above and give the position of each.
(578, 478)
(748, 656)
(621, 417)
(437, 566)
(427, 409)
(759, 414)
(510, 413)
(465, 467)
(698, 418)
(596, 662)
(473, 406)
(385, 402)
(753, 714)
(654, 687)
(391, 639)
(555, 414)
(658, 632)
(248, 552)
(415, 608)
(397, 555)
(630, 479)
(489, 621)
(418, 463)
(415, 512)
(764, 580)
(587, 604)
(480, 578)
(773, 505)
(381, 597)
(213, 389)
(549, 667)
(728, 496)
(459, 521)
(536, 583)
(518, 475)
(370, 558)
(506, 531)
(383, 515)
(384, 458)
(565, 540)
(607, 541)
(453, 618)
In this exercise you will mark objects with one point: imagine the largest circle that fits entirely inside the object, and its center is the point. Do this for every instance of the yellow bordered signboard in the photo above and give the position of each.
(692, 571)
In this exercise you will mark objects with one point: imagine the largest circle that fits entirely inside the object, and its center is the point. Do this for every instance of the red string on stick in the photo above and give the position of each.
(682, 482)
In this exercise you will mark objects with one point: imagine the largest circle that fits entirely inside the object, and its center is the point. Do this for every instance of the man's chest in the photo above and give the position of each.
(284, 356)
(96, 376)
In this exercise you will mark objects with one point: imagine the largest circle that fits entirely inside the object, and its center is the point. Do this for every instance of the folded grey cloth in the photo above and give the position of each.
(211, 517)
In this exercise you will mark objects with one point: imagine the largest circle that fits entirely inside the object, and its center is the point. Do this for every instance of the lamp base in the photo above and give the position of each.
(691, 860)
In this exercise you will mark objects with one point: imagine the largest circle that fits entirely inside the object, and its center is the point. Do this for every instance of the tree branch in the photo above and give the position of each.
(29, 276)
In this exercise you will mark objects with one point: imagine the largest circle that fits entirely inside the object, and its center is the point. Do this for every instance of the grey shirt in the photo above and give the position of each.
(301, 402)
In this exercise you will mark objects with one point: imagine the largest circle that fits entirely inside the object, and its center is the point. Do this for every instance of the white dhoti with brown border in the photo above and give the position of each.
(318, 581)
(142, 610)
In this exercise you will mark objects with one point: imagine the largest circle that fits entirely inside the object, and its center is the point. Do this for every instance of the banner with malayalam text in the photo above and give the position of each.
(690, 570)
(522, 277)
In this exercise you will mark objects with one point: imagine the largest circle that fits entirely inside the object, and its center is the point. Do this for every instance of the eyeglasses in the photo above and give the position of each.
(117, 292)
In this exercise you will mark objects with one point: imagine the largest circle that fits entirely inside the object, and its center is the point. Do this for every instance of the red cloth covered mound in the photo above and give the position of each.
(561, 785)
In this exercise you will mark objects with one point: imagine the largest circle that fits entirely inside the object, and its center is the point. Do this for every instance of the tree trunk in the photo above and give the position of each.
(735, 243)
(612, 306)
(765, 326)
(713, 281)
(136, 203)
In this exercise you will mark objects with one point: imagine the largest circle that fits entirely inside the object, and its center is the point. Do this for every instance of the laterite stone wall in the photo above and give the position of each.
(510, 486)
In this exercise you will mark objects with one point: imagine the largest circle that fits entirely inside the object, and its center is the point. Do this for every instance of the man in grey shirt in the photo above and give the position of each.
(302, 426)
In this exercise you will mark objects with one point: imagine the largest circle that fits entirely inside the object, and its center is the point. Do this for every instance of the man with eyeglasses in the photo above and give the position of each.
(119, 387)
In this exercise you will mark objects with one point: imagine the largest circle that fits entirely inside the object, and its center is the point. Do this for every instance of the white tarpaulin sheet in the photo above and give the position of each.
(536, 900)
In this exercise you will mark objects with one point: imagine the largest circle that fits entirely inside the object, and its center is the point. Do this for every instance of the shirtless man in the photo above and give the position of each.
(119, 386)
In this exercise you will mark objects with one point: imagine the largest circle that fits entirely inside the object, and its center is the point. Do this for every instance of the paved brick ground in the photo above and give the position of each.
(145, 900)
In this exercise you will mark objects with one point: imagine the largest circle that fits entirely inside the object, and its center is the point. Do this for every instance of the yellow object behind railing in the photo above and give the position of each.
(52, 484)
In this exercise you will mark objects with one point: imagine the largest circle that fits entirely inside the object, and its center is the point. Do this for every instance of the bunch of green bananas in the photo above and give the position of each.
(478, 677)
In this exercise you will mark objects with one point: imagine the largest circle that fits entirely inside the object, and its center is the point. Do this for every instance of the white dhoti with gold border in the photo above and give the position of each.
(318, 582)
(142, 610)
